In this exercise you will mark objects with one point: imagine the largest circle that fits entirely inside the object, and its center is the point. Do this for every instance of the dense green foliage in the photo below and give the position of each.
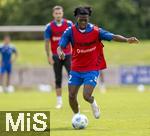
(127, 17)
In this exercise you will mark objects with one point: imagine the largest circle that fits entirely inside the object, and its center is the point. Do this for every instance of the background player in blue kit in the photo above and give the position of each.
(6, 51)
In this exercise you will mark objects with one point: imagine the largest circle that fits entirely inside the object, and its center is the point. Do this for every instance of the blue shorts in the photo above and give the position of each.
(85, 78)
(6, 69)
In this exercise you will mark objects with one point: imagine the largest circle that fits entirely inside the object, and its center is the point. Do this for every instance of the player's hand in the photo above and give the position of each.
(61, 55)
(50, 61)
(132, 40)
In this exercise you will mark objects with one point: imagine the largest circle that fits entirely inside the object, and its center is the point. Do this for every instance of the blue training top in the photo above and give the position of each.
(6, 52)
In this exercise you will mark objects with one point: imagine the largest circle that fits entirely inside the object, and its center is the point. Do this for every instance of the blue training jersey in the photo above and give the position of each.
(68, 36)
(6, 52)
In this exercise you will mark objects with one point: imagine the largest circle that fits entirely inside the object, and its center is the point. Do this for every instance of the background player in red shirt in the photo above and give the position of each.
(87, 56)
(53, 33)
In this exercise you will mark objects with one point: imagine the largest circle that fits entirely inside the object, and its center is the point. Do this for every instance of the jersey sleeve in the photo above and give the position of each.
(14, 50)
(66, 38)
(105, 35)
(47, 32)
(0, 48)
(69, 23)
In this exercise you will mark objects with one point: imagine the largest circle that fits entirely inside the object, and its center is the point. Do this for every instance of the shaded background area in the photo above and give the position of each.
(127, 17)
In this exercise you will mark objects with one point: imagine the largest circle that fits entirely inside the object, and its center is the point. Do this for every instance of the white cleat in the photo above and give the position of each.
(95, 109)
(9, 89)
(59, 106)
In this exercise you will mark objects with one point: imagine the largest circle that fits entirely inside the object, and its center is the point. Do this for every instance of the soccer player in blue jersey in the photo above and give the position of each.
(53, 33)
(87, 56)
(6, 51)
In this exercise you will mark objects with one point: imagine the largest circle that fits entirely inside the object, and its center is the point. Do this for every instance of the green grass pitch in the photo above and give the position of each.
(124, 111)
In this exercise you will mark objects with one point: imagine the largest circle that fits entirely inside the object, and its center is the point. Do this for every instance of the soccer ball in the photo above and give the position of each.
(79, 121)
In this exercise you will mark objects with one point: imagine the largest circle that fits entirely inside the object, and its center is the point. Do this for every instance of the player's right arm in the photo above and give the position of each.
(65, 39)
(47, 35)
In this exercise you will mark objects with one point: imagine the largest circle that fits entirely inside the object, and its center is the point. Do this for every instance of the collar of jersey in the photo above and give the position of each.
(62, 21)
(88, 28)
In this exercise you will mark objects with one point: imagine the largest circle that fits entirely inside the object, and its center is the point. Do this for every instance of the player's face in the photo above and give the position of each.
(58, 14)
(82, 21)
(6, 40)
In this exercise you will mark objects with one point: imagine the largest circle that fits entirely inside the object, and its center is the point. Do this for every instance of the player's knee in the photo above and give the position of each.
(86, 96)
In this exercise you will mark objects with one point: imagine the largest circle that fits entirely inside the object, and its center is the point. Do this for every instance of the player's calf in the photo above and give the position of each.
(73, 103)
(87, 94)
(73, 91)
(87, 97)
(94, 106)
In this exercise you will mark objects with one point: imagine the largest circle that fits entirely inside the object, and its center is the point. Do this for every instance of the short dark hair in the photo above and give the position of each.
(57, 7)
(86, 10)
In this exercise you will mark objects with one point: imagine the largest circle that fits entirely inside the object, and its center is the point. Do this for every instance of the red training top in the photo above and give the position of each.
(87, 51)
(57, 32)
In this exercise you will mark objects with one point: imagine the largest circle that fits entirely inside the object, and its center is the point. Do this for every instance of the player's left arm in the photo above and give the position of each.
(105, 35)
(65, 39)
(15, 56)
(120, 38)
